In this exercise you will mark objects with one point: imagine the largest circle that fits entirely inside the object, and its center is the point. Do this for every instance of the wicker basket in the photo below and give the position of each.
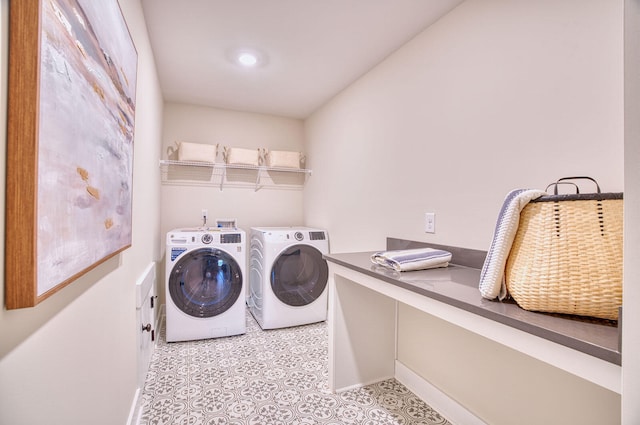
(567, 255)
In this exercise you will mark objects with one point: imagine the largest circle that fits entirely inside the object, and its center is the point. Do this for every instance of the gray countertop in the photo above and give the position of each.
(457, 285)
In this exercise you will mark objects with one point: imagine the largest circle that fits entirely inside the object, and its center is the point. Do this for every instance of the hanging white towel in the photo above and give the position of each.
(492, 283)
(412, 259)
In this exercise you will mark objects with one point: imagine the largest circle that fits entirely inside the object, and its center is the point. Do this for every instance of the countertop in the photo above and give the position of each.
(457, 285)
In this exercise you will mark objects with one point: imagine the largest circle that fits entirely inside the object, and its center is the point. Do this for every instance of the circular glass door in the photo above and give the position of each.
(205, 282)
(299, 275)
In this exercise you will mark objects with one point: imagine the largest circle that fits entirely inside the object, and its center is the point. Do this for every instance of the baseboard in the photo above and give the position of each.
(442, 403)
(364, 384)
(134, 412)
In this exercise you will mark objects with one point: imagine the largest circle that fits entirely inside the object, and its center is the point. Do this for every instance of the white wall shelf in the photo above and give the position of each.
(231, 175)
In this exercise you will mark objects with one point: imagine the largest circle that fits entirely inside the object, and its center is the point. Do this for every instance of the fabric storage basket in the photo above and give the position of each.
(198, 152)
(284, 159)
(567, 254)
(241, 156)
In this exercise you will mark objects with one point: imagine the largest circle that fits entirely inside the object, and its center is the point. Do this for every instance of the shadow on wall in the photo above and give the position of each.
(18, 325)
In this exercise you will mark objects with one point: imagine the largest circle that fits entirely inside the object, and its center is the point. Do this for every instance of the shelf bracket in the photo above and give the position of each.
(171, 174)
(258, 180)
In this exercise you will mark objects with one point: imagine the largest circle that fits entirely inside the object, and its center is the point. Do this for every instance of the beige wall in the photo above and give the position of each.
(72, 359)
(496, 95)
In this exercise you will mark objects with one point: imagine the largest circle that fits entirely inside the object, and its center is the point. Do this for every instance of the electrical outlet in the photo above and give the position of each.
(205, 213)
(430, 222)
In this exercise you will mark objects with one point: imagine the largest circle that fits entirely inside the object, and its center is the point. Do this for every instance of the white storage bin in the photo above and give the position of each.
(240, 156)
(199, 152)
(284, 159)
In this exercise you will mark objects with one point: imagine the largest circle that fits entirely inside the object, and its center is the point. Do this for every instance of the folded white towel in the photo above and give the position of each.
(492, 284)
(412, 259)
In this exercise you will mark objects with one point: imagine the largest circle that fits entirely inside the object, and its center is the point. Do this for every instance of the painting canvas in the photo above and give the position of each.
(84, 139)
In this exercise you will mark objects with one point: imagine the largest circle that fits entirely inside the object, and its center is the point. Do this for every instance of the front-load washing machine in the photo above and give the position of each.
(205, 290)
(288, 276)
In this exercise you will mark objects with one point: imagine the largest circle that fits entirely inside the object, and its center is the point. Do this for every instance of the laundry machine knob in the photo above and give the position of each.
(207, 238)
(299, 236)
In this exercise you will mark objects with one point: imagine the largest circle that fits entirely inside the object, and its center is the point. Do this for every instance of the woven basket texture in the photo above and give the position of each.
(567, 258)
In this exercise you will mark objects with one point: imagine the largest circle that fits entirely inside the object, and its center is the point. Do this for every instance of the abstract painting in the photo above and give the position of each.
(80, 159)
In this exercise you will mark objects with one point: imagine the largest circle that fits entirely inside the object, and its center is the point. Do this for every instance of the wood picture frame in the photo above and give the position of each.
(70, 125)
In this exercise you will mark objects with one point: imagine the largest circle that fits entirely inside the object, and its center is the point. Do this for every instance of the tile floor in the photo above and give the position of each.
(263, 378)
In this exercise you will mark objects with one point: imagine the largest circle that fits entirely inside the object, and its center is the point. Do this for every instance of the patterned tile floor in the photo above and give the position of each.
(263, 378)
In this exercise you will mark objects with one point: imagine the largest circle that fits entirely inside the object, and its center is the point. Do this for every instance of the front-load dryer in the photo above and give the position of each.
(205, 290)
(288, 276)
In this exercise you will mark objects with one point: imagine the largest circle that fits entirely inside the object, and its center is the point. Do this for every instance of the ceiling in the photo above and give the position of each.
(312, 49)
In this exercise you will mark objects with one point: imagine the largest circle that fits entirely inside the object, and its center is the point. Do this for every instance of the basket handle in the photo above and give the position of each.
(555, 184)
(563, 180)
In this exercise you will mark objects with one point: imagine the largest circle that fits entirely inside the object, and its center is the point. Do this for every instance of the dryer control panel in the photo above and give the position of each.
(317, 236)
(287, 234)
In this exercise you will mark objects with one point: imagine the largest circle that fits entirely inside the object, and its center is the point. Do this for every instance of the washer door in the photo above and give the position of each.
(299, 275)
(205, 282)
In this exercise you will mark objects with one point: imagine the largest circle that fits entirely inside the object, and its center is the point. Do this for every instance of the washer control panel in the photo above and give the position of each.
(176, 252)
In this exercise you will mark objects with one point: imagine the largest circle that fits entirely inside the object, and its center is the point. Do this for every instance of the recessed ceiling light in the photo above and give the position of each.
(247, 58)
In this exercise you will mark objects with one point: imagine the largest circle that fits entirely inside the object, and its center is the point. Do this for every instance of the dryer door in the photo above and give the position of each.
(299, 275)
(205, 282)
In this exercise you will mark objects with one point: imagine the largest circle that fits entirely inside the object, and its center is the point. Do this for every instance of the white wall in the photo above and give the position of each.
(631, 289)
(182, 205)
(497, 383)
(72, 359)
(496, 95)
